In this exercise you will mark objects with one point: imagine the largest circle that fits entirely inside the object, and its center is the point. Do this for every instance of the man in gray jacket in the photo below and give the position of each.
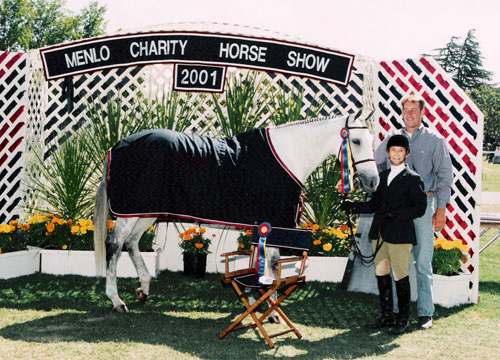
(429, 157)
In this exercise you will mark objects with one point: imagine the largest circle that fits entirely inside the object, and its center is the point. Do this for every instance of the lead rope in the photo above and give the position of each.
(365, 259)
(346, 176)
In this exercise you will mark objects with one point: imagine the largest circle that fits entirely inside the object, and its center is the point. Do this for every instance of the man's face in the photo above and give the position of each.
(396, 155)
(412, 115)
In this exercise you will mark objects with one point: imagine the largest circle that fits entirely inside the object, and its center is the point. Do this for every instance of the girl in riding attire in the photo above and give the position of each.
(399, 199)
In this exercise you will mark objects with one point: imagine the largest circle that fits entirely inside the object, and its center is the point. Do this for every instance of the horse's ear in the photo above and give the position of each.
(369, 115)
(365, 118)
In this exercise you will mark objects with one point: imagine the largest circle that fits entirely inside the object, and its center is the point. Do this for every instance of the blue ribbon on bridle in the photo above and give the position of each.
(346, 163)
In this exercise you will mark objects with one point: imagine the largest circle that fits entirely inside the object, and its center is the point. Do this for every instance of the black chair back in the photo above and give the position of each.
(294, 239)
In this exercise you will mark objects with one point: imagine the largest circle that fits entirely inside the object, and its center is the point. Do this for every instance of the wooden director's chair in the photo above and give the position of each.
(285, 277)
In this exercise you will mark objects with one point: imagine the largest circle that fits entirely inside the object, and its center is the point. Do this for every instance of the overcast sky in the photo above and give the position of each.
(382, 29)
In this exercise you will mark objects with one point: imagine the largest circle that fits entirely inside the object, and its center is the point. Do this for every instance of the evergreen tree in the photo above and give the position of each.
(463, 61)
(487, 98)
(32, 24)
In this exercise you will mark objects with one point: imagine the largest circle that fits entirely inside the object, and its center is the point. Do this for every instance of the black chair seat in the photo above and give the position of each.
(249, 281)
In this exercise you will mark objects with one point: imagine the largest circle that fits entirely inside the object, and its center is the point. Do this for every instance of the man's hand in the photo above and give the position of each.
(438, 219)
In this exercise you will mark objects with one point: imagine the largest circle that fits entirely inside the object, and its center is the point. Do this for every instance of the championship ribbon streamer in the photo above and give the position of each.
(345, 159)
(263, 230)
(262, 255)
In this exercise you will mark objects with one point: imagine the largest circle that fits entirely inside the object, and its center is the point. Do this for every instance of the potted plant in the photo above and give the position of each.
(244, 240)
(194, 245)
(329, 252)
(65, 246)
(11, 237)
(15, 260)
(450, 284)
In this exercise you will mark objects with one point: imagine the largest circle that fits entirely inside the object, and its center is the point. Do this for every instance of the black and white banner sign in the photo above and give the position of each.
(188, 77)
(197, 48)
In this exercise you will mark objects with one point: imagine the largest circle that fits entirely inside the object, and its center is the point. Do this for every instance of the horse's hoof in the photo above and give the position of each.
(120, 309)
(141, 295)
(274, 319)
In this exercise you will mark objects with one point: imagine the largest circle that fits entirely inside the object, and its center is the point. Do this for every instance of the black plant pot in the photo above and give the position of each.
(195, 264)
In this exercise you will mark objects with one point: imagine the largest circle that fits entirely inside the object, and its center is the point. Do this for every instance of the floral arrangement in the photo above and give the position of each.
(11, 237)
(193, 241)
(329, 241)
(448, 256)
(245, 240)
(50, 231)
(47, 231)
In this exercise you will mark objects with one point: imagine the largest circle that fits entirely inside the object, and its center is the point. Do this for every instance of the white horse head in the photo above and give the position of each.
(304, 145)
(361, 142)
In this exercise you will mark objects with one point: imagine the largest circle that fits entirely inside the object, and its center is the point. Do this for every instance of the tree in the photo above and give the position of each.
(487, 98)
(464, 62)
(31, 24)
(92, 20)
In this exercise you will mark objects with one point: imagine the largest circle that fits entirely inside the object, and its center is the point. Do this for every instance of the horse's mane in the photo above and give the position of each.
(309, 121)
(323, 118)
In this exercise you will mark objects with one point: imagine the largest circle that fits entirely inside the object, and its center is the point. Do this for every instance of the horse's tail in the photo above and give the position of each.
(100, 228)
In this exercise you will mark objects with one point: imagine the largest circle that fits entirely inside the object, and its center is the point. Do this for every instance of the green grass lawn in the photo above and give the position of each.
(68, 317)
(491, 177)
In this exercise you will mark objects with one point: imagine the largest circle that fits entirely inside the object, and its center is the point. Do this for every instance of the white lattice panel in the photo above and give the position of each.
(13, 102)
(65, 116)
(451, 113)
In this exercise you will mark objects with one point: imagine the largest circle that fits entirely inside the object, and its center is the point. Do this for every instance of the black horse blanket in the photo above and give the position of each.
(175, 176)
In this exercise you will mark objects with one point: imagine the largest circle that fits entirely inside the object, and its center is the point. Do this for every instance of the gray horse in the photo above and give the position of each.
(299, 148)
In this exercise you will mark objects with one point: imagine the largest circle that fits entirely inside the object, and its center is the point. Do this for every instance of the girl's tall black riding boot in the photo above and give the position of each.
(386, 317)
(403, 290)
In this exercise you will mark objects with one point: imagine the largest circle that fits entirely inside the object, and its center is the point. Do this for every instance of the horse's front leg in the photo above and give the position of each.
(114, 245)
(273, 255)
(132, 243)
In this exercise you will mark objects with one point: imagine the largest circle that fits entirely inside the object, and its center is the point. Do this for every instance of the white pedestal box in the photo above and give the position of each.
(76, 262)
(19, 263)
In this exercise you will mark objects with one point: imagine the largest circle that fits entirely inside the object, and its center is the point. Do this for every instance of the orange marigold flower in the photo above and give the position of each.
(50, 227)
(315, 227)
(317, 242)
(110, 224)
(58, 221)
(198, 245)
(327, 247)
(343, 227)
(186, 236)
(74, 230)
(7, 229)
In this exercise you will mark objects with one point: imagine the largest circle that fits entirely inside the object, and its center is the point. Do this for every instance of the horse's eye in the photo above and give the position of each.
(356, 142)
